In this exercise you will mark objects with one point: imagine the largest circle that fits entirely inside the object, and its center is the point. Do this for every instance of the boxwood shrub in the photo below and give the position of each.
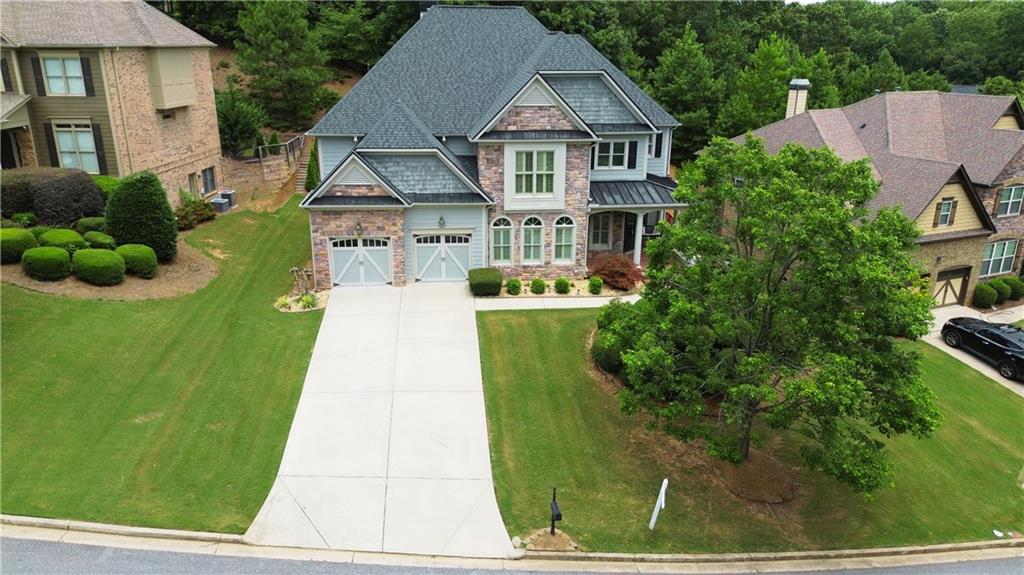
(90, 224)
(70, 240)
(537, 286)
(513, 286)
(24, 219)
(139, 260)
(607, 352)
(38, 231)
(1016, 287)
(98, 267)
(57, 196)
(99, 240)
(138, 213)
(485, 281)
(595, 285)
(46, 263)
(1002, 289)
(13, 243)
(984, 296)
(562, 285)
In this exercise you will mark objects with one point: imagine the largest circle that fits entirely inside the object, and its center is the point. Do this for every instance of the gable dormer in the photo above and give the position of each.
(538, 108)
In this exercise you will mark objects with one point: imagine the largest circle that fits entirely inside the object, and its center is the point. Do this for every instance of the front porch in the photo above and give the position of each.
(625, 215)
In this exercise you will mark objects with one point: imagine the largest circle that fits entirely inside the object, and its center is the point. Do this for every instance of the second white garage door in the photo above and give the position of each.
(442, 257)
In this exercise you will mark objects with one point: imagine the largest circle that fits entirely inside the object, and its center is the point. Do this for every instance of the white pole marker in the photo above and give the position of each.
(659, 504)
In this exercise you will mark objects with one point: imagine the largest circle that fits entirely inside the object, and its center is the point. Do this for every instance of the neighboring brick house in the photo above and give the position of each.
(954, 163)
(483, 139)
(109, 87)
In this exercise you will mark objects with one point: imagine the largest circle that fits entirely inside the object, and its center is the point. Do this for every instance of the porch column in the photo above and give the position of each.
(638, 238)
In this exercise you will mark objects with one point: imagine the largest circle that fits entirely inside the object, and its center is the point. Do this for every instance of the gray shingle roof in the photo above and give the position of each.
(124, 23)
(654, 191)
(458, 65)
(10, 102)
(355, 201)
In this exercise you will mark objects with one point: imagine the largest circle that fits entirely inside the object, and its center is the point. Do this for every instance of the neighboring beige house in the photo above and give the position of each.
(954, 163)
(110, 88)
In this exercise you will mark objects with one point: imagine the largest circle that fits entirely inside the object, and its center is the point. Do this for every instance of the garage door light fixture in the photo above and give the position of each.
(440, 222)
(359, 228)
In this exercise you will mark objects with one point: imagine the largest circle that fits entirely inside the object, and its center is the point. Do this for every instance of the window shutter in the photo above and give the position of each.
(658, 144)
(37, 71)
(938, 210)
(6, 72)
(631, 161)
(87, 78)
(97, 142)
(51, 145)
(593, 156)
(952, 212)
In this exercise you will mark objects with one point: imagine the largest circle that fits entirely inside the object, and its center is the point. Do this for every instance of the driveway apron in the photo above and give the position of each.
(388, 449)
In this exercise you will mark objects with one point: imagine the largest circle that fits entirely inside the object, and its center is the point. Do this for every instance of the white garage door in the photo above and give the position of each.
(442, 257)
(360, 261)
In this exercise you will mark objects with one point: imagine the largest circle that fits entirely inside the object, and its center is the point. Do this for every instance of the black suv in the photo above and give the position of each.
(1000, 344)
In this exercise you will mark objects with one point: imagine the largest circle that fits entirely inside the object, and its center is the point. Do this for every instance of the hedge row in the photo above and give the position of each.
(56, 196)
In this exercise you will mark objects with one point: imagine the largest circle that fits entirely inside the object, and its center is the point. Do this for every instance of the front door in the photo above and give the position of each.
(951, 287)
(442, 257)
(360, 261)
(9, 158)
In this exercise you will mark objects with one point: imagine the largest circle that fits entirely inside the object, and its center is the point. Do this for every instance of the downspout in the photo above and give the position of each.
(120, 109)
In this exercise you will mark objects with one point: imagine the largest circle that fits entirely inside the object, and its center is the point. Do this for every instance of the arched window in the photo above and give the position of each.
(565, 240)
(501, 241)
(533, 240)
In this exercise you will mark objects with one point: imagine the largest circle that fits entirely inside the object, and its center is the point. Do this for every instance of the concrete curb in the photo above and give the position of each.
(90, 527)
(779, 556)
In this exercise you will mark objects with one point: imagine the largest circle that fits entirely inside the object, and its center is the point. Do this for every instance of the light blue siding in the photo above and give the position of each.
(639, 173)
(659, 166)
(460, 145)
(424, 219)
(418, 174)
(333, 150)
(592, 99)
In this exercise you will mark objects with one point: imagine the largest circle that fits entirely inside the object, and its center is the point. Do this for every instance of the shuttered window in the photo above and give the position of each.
(63, 76)
(611, 155)
(76, 147)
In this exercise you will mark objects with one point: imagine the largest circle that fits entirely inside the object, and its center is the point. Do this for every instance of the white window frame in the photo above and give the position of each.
(534, 175)
(1016, 198)
(62, 58)
(540, 241)
(606, 229)
(610, 155)
(495, 227)
(1005, 259)
(534, 202)
(74, 127)
(945, 211)
(560, 225)
(651, 140)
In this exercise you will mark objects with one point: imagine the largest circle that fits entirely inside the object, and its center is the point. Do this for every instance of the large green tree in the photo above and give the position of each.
(239, 119)
(774, 302)
(284, 59)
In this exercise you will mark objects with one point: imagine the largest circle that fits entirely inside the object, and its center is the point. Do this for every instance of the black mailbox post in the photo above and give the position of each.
(556, 513)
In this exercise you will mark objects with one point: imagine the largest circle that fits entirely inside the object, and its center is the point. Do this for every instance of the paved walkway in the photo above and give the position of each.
(943, 314)
(388, 449)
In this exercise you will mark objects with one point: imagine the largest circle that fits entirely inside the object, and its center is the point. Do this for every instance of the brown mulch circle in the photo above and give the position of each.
(543, 540)
(190, 271)
(761, 478)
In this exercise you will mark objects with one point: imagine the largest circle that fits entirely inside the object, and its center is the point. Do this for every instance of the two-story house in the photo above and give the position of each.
(483, 139)
(110, 88)
(954, 163)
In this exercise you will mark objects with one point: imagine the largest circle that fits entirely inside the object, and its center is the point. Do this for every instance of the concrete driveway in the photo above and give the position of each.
(388, 449)
(943, 314)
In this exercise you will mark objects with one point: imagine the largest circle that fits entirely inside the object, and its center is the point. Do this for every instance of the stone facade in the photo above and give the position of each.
(1008, 227)
(936, 257)
(327, 224)
(171, 143)
(534, 118)
(350, 190)
(26, 148)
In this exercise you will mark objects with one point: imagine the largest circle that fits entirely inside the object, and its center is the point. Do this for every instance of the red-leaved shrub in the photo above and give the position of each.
(617, 271)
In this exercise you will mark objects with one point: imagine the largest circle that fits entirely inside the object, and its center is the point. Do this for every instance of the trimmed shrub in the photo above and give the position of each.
(562, 286)
(66, 239)
(13, 243)
(48, 264)
(984, 296)
(6, 223)
(595, 285)
(38, 231)
(513, 286)
(57, 196)
(99, 240)
(537, 286)
(485, 281)
(1002, 289)
(192, 210)
(107, 184)
(139, 260)
(98, 267)
(90, 224)
(607, 352)
(618, 271)
(24, 219)
(1016, 287)
(312, 169)
(138, 213)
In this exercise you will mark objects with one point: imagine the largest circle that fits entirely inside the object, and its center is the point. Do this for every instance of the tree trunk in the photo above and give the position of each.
(746, 425)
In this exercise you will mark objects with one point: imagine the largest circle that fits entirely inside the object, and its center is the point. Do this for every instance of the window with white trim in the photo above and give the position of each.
(601, 230)
(533, 233)
(501, 241)
(75, 146)
(63, 76)
(945, 211)
(611, 155)
(1010, 200)
(998, 258)
(535, 172)
(650, 146)
(565, 240)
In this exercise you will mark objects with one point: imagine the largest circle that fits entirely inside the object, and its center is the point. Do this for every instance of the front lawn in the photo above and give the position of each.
(552, 423)
(165, 413)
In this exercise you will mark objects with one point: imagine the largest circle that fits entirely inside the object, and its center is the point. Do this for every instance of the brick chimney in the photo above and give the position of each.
(796, 103)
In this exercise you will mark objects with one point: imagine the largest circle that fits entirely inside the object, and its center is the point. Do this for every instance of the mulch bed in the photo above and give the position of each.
(188, 273)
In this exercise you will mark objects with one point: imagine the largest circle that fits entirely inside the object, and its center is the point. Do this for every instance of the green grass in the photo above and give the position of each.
(166, 413)
(552, 423)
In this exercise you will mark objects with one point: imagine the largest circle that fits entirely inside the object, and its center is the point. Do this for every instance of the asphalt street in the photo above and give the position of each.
(23, 556)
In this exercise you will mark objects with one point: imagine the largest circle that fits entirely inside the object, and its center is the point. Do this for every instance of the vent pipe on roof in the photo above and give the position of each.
(796, 103)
